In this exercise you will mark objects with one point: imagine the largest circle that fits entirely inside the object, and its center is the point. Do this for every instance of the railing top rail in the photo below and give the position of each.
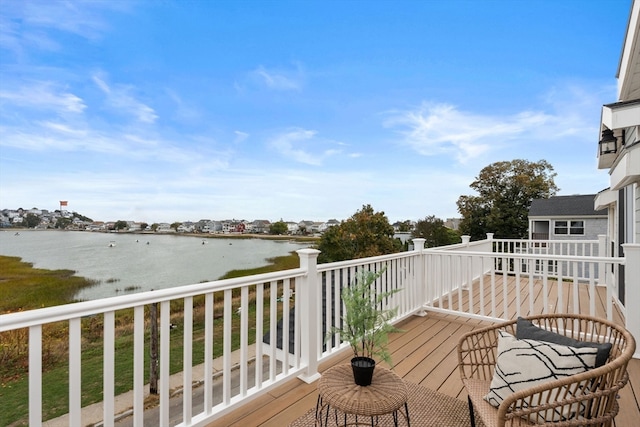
(612, 260)
(364, 261)
(29, 318)
(544, 241)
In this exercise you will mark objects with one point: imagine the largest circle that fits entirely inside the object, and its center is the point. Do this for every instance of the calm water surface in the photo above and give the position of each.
(139, 262)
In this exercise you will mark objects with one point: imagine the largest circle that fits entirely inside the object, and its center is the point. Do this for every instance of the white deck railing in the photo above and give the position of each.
(430, 279)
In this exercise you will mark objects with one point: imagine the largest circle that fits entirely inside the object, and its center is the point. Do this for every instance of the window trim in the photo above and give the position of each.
(568, 227)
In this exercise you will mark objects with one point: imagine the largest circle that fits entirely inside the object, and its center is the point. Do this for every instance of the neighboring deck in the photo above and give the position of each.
(425, 353)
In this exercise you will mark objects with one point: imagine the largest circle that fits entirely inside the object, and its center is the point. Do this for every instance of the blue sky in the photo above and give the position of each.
(183, 110)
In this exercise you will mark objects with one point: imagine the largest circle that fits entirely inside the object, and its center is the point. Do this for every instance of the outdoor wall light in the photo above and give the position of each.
(608, 143)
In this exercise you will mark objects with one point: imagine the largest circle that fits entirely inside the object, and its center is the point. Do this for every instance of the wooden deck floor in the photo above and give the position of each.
(425, 353)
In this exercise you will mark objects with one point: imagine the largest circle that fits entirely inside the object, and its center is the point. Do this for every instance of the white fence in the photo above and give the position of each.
(291, 311)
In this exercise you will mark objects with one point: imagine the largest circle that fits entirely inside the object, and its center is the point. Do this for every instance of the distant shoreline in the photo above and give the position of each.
(252, 236)
(301, 239)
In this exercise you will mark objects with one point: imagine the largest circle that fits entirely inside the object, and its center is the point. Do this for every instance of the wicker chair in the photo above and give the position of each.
(477, 359)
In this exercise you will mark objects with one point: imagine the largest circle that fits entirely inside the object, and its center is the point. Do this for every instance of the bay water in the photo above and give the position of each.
(124, 263)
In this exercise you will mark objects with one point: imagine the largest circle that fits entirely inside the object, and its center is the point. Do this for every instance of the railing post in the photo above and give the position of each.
(602, 268)
(421, 276)
(310, 300)
(490, 240)
(632, 290)
(465, 239)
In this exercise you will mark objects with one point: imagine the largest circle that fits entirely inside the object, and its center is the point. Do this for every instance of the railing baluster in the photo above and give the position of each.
(108, 380)
(532, 276)
(286, 349)
(165, 352)
(297, 321)
(545, 288)
(226, 344)
(560, 281)
(518, 267)
(333, 303)
(259, 333)
(493, 287)
(75, 375)
(481, 285)
(273, 328)
(35, 375)
(138, 366)
(187, 361)
(469, 279)
(592, 289)
(505, 290)
(208, 352)
(244, 339)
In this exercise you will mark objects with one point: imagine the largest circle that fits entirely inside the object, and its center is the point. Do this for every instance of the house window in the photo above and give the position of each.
(569, 227)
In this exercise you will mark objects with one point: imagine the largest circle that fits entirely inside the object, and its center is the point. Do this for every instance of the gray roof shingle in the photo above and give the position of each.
(577, 206)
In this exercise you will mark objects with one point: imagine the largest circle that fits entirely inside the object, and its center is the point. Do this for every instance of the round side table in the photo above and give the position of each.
(338, 393)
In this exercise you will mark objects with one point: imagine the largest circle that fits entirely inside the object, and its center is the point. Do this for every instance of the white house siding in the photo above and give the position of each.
(637, 213)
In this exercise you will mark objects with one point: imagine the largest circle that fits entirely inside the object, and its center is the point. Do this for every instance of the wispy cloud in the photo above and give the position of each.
(240, 136)
(183, 111)
(298, 145)
(43, 96)
(34, 22)
(439, 128)
(120, 99)
(283, 79)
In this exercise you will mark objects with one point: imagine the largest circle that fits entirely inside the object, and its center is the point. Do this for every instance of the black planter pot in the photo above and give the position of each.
(363, 370)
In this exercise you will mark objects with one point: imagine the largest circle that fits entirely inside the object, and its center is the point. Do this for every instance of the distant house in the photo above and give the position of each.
(326, 225)
(453, 223)
(566, 218)
(292, 227)
(164, 227)
(260, 226)
(305, 227)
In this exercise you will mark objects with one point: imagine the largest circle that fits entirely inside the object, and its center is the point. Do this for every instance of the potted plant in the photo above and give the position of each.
(365, 325)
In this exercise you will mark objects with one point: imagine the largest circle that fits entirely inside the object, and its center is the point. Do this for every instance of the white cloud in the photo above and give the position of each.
(240, 136)
(282, 80)
(303, 146)
(433, 128)
(40, 20)
(439, 128)
(43, 95)
(121, 101)
(288, 145)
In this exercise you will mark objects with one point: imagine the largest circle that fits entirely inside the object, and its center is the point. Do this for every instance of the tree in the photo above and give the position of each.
(436, 234)
(404, 226)
(32, 220)
(63, 223)
(505, 191)
(120, 225)
(279, 227)
(175, 226)
(365, 234)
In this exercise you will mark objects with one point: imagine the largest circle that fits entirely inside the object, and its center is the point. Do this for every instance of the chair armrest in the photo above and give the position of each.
(579, 394)
(477, 351)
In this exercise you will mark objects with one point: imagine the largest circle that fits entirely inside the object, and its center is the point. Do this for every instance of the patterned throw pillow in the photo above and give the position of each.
(525, 329)
(526, 363)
